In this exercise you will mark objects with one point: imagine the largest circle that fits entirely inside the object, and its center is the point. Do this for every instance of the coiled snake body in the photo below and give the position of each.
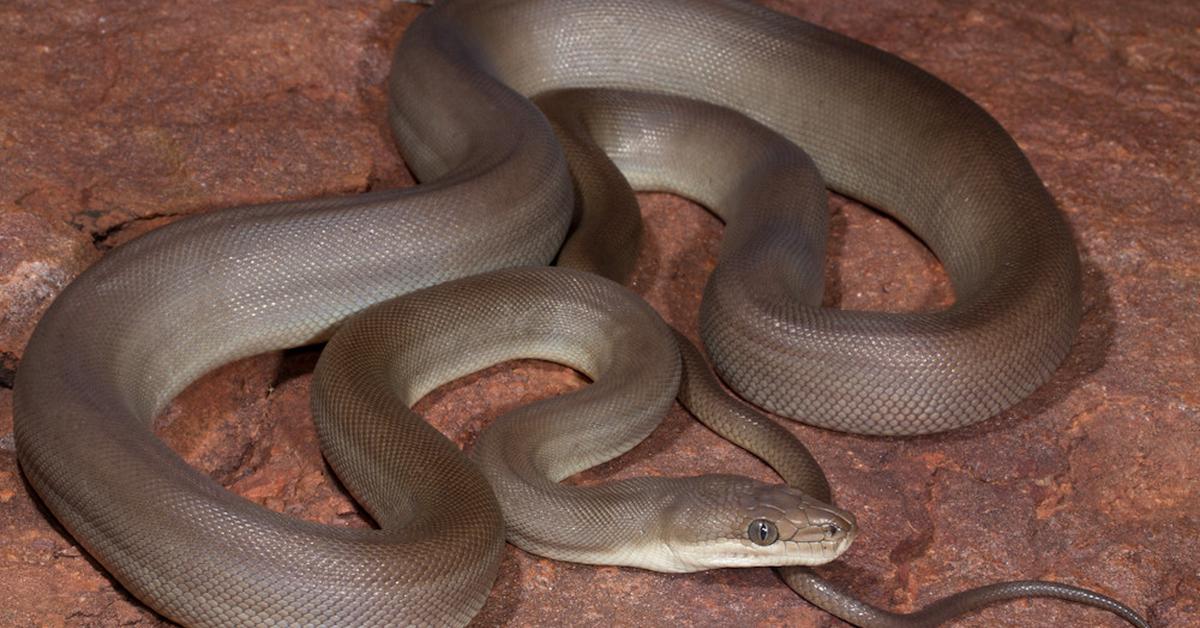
(152, 316)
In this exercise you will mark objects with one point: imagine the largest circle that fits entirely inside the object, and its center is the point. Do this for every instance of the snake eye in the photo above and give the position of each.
(831, 530)
(762, 532)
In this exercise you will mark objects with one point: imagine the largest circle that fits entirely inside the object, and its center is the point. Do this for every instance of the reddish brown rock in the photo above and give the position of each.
(38, 258)
(117, 117)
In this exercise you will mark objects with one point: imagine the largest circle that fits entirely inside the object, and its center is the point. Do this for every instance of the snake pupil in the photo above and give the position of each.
(763, 532)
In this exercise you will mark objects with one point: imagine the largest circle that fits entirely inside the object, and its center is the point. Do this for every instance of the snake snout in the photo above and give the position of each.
(803, 519)
(813, 532)
(827, 525)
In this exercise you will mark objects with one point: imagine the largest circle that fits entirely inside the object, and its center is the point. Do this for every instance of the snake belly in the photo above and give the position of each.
(153, 315)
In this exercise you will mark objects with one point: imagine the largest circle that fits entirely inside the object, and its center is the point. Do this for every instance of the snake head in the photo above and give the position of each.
(736, 522)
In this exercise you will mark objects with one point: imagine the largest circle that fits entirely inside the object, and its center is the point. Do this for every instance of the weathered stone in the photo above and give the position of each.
(38, 258)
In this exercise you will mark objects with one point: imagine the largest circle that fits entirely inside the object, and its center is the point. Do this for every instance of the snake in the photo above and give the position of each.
(497, 193)
(773, 207)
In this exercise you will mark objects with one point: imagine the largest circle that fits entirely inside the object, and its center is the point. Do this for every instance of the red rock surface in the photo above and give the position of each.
(115, 117)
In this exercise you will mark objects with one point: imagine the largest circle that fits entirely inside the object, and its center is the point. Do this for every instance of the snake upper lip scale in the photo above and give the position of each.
(497, 193)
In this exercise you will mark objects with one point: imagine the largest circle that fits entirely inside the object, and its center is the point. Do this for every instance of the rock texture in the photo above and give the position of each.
(117, 117)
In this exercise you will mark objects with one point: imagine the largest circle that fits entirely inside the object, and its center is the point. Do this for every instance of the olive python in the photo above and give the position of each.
(497, 192)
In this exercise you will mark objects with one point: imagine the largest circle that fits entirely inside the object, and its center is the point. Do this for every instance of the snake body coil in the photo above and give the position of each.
(155, 314)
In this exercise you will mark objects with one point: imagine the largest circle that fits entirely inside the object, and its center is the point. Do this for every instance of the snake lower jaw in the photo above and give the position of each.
(797, 555)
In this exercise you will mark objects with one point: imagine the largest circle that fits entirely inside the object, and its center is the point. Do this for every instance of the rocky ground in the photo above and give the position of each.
(116, 118)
